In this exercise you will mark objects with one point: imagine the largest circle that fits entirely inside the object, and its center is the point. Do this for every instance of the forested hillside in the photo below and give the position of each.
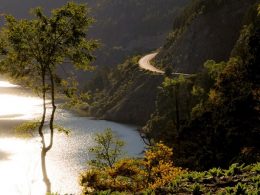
(205, 30)
(213, 118)
(202, 31)
(126, 94)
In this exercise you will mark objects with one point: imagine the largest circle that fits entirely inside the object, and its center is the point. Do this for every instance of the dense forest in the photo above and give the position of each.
(215, 114)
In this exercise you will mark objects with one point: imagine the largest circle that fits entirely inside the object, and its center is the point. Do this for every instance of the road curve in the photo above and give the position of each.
(145, 63)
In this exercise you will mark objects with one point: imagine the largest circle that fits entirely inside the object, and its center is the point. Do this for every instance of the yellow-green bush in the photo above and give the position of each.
(153, 171)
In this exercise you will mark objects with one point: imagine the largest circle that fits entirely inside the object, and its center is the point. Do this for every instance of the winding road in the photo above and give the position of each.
(145, 63)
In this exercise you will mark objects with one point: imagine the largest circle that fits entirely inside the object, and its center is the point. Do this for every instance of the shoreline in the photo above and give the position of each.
(10, 121)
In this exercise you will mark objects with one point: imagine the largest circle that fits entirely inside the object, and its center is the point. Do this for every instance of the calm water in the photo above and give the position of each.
(20, 167)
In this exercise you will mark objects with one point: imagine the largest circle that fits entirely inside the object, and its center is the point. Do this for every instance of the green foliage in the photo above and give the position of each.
(240, 183)
(173, 82)
(33, 49)
(196, 176)
(229, 190)
(196, 189)
(215, 181)
(127, 176)
(74, 98)
(214, 69)
(173, 109)
(234, 169)
(256, 168)
(27, 129)
(62, 129)
(108, 149)
(31, 46)
(197, 91)
(240, 189)
(30, 129)
(216, 172)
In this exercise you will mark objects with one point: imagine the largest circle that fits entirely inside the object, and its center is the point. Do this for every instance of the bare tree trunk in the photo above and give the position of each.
(44, 171)
(51, 125)
(53, 110)
(44, 151)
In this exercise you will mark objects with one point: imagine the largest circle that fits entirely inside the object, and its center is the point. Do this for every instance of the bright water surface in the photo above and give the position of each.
(20, 167)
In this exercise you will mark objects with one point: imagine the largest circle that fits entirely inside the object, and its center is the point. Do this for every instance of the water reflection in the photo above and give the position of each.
(20, 169)
(4, 155)
(17, 107)
(6, 84)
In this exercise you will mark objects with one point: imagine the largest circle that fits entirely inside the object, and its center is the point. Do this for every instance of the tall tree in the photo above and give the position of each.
(33, 49)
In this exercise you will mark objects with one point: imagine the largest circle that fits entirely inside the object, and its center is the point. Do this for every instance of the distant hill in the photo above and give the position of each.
(132, 27)
(123, 27)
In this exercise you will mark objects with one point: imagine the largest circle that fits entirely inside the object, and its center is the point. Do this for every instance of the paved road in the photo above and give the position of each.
(145, 63)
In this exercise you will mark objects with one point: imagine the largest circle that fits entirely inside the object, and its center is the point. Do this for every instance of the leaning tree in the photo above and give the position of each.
(34, 49)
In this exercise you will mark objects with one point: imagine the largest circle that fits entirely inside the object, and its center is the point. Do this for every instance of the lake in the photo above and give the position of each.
(20, 165)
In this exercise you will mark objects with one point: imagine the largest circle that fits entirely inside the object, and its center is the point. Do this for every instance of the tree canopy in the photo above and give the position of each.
(45, 42)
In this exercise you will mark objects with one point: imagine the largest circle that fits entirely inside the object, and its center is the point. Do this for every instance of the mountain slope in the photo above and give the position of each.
(205, 30)
(128, 27)
(187, 42)
(213, 118)
(128, 94)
